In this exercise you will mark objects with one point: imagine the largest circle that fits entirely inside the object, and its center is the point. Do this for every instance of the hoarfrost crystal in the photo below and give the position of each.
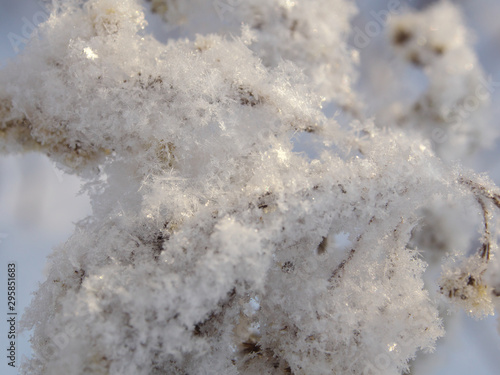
(214, 245)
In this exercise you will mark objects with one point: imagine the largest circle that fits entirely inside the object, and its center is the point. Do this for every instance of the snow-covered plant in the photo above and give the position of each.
(217, 245)
(311, 34)
(449, 111)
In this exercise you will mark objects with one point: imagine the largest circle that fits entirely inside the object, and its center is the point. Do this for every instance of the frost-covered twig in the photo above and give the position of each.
(211, 247)
(452, 111)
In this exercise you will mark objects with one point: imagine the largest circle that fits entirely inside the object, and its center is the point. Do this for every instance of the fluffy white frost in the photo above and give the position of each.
(214, 247)
(451, 111)
(312, 34)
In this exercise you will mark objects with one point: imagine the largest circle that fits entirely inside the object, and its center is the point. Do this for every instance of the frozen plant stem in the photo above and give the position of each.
(215, 246)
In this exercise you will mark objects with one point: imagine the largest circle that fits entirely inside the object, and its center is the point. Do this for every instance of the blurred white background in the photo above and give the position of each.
(39, 204)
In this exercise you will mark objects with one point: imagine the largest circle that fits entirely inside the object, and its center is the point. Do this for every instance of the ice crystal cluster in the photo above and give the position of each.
(216, 245)
(465, 285)
(312, 34)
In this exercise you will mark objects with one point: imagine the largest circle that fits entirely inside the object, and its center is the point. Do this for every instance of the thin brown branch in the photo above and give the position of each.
(485, 249)
(341, 266)
(480, 190)
(481, 193)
